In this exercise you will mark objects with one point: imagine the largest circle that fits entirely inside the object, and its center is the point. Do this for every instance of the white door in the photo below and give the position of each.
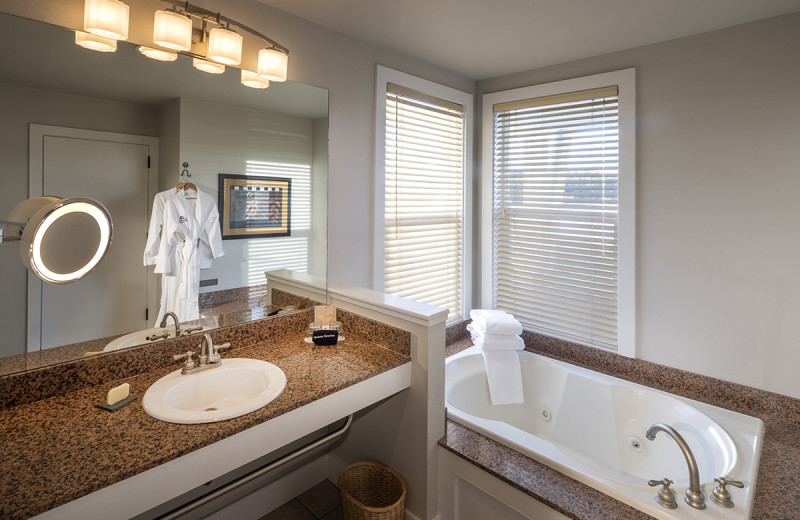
(114, 170)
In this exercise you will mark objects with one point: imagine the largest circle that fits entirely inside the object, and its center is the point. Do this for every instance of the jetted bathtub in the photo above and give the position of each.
(592, 427)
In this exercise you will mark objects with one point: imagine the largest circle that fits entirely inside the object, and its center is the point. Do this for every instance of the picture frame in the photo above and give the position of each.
(254, 207)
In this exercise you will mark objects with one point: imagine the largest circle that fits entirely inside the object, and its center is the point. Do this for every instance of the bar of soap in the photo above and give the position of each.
(118, 393)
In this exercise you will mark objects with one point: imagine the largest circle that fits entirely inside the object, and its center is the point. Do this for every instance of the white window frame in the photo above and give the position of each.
(626, 81)
(385, 76)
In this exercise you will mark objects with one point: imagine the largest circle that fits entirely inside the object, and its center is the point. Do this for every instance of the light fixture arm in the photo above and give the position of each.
(218, 18)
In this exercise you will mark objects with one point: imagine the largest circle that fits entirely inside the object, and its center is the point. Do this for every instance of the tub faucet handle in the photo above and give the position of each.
(665, 497)
(721, 496)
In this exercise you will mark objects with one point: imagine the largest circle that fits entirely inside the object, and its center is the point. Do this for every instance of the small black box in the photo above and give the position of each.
(325, 337)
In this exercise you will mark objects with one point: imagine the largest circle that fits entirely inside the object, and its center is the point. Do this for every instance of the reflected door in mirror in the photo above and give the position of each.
(113, 298)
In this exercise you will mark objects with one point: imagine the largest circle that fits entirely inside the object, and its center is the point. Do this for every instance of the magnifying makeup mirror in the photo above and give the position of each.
(60, 240)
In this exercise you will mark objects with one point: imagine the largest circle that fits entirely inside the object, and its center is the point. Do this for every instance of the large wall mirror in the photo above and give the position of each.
(79, 123)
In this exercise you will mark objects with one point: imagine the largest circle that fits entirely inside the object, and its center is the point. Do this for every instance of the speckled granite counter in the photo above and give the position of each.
(61, 448)
(778, 485)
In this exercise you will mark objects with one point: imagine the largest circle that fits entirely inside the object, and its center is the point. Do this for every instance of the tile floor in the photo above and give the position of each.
(321, 502)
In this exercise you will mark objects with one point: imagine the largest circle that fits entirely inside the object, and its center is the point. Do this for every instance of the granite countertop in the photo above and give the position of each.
(777, 487)
(61, 448)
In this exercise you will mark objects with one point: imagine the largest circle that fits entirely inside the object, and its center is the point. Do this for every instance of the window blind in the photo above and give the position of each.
(556, 207)
(424, 199)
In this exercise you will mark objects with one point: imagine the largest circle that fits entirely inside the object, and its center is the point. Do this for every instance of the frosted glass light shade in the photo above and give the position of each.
(106, 18)
(172, 30)
(253, 80)
(272, 64)
(158, 54)
(94, 42)
(224, 46)
(208, 66)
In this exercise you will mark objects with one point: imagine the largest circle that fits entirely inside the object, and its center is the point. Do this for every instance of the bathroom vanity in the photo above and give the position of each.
(66, 458)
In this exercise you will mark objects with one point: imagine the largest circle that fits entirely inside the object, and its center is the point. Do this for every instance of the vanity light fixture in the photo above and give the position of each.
(272, 64)
(172, 30)
(184, 28)
(225, 46)
(158, 54)
(253, 80)
(106, 18)
(94, 42)
(208, 66)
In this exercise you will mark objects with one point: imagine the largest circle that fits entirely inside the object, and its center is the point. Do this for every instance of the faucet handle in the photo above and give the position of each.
(189, 364)
(665, 497)
(721, 496)
(217, 348)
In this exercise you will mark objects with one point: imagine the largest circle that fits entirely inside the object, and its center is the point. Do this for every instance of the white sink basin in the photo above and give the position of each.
(237, 387)
(140, 337)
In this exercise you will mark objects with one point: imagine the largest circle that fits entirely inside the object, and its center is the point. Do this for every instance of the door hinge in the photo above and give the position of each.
(146, 314)
(148, 161)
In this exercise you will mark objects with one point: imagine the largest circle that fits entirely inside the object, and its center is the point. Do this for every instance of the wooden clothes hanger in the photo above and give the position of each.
(186, 185)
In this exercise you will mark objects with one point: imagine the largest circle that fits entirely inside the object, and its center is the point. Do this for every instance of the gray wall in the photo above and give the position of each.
(218, 139)
(22, 106)
(718, 174)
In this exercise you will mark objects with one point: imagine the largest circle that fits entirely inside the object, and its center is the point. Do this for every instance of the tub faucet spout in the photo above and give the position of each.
(694, 495)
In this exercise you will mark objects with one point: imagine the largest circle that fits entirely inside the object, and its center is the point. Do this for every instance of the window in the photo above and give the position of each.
(421, 204)
(559, 208)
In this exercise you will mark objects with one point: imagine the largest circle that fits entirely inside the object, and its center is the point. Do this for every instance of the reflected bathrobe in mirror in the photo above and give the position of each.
(190, 240)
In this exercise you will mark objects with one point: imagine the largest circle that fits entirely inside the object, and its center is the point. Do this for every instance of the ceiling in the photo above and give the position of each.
(483, 39)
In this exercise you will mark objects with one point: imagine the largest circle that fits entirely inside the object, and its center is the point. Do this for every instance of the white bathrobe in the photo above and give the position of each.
(156, 223)
(190, 240)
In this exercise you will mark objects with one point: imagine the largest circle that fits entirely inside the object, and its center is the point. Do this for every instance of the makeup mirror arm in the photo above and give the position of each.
(13, 237)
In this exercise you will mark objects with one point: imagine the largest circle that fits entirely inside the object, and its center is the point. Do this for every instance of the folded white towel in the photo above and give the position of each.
(495, 341)
(504, 375)
(488, 321)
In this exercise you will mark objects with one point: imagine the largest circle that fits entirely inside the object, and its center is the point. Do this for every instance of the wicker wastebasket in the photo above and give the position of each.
(372, 491)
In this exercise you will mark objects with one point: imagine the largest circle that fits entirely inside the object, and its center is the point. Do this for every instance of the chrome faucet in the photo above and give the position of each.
(177, 323)
(694, 495)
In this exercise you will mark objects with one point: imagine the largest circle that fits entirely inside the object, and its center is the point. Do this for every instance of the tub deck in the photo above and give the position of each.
(778, 485)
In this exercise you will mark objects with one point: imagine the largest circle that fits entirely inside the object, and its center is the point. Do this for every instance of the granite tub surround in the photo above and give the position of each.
(778, 482)
(60, 448)
(554, 489)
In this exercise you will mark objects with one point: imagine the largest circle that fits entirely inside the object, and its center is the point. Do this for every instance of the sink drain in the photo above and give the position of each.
(210, 410)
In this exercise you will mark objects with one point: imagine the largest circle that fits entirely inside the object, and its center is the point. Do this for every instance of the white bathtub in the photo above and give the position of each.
(592, 427)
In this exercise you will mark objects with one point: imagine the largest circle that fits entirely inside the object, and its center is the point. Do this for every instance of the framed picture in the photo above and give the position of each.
(254, 207)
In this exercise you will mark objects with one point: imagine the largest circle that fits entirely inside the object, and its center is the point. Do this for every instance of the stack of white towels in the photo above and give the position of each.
(497, 335)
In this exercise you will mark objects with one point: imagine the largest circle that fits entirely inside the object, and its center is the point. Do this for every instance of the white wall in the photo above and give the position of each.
(22, 106)
(218, 139)
(718, 244)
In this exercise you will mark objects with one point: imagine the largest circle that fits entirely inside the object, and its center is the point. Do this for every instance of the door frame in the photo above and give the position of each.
(36, 189)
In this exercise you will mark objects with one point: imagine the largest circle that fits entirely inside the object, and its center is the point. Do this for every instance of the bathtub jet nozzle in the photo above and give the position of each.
(694, 495)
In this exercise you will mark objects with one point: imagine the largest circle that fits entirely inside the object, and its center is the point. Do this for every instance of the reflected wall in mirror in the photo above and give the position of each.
(84, 123)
